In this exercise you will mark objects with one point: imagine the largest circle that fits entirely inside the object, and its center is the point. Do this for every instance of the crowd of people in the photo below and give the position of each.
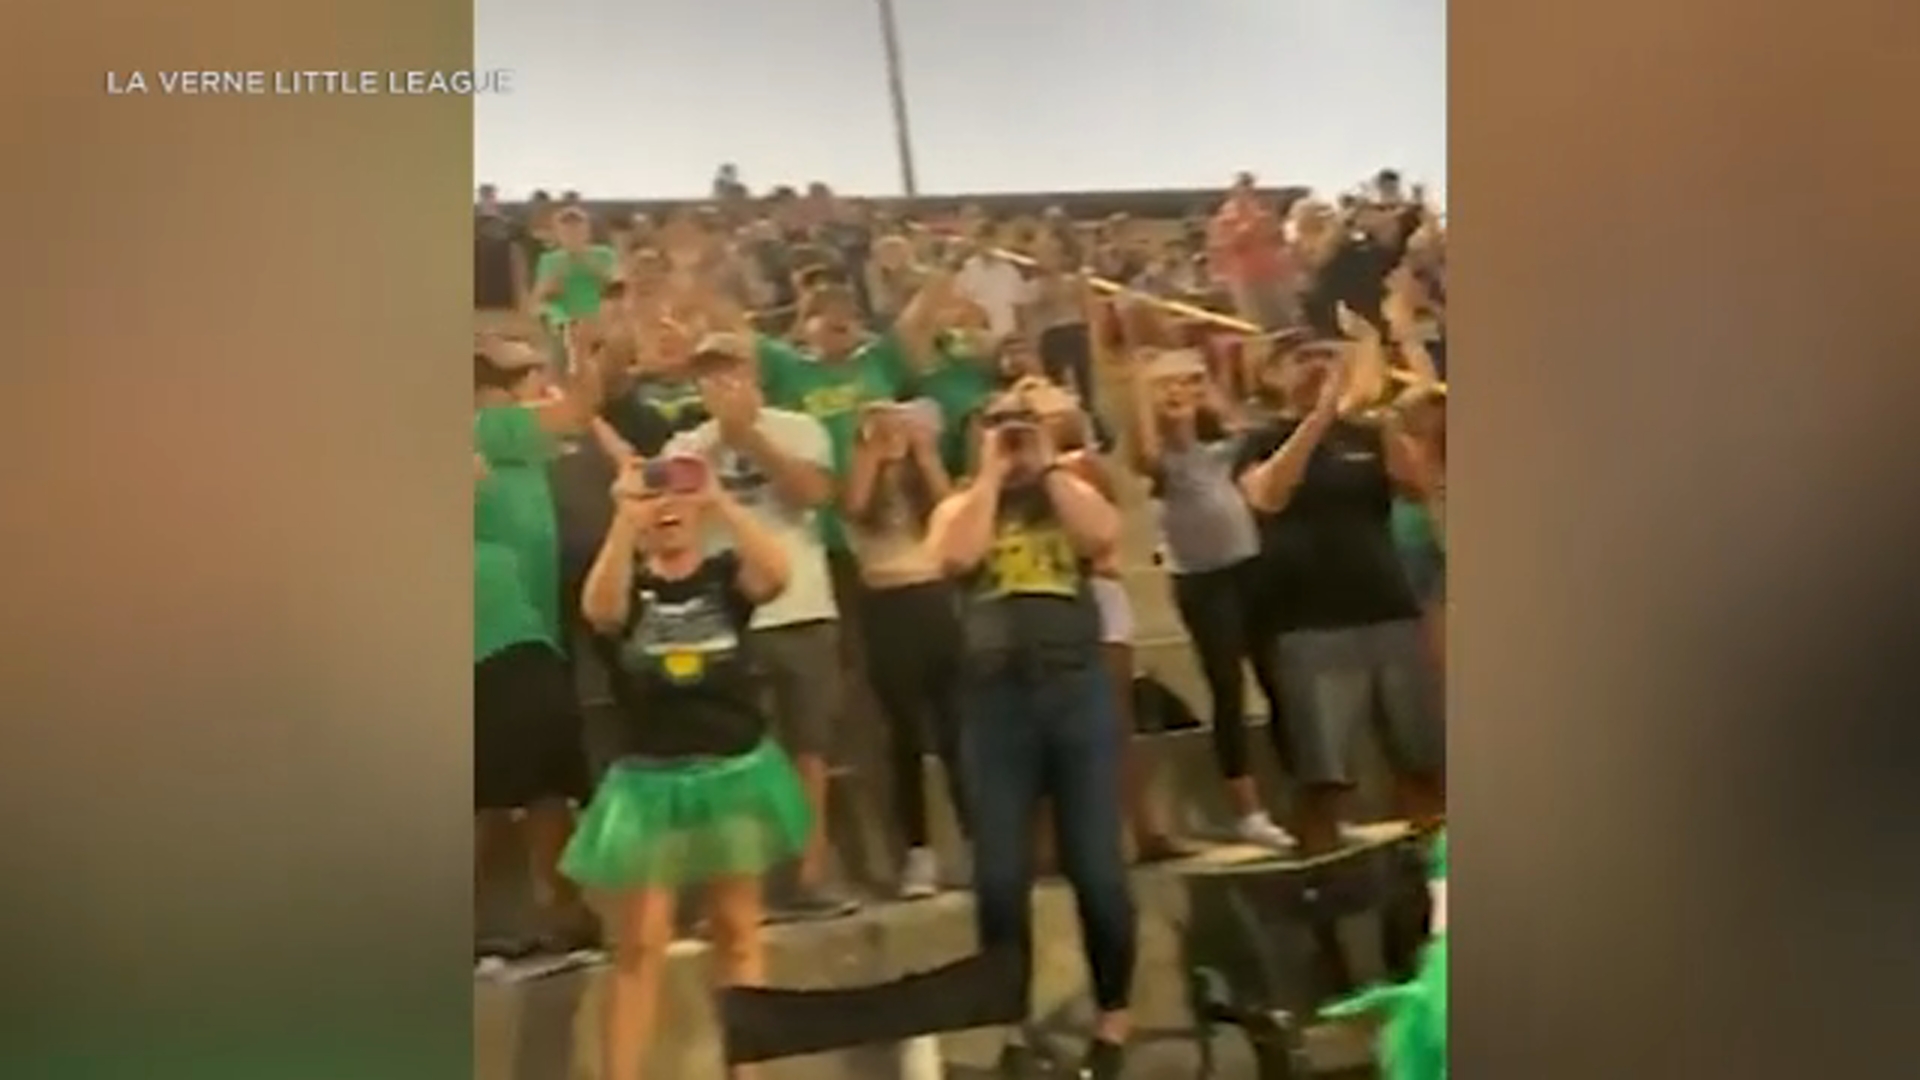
(863, 458)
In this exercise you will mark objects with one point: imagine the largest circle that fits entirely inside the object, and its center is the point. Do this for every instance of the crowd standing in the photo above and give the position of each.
(864, 461)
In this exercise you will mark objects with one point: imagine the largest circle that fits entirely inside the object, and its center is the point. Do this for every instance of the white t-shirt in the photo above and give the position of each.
(997, 286)
(809, 593)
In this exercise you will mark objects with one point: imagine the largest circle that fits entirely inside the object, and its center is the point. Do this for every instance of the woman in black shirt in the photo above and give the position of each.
(1321, 475)
(698, 794)
(1039, 721)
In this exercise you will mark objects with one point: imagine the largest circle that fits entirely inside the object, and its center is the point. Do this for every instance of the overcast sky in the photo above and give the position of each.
(639, 98)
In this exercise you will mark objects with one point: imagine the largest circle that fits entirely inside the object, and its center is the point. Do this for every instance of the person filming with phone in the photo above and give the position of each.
(913, 633)
(1039, 718)
(698, 796)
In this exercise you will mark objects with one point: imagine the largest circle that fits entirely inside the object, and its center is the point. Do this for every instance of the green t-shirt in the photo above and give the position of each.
(832, 393)
(503, 615)
(513, 516)
(959, 383)
(581, 278)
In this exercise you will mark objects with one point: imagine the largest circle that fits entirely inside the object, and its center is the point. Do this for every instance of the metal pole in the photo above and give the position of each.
(896, 91)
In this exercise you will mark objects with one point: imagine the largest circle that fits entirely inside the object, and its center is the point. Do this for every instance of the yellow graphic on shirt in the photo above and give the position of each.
(1031, 560)
(680, 640)
(683, 667)
(824, 401)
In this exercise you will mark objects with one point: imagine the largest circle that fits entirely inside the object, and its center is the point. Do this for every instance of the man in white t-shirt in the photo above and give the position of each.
(994, 283)
(778, 464)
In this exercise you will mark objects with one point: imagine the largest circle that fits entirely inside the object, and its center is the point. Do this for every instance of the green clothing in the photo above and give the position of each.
(1413, 526)
(581, 277)
(959, 383)
(1422, 553)
(832, 393)
(503, 616)
(516, 539)
(1412, 1039)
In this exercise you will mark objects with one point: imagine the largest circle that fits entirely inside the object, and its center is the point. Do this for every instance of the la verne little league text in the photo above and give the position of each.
(244, 83)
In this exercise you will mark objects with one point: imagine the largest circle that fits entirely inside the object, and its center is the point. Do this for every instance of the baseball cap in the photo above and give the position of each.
(722, 350)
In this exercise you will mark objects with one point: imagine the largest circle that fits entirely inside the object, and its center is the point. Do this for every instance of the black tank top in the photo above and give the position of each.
(1029, 606)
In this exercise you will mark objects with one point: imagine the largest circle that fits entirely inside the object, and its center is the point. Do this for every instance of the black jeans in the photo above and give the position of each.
(1218, 608)
(1053, 734)
(913, 666)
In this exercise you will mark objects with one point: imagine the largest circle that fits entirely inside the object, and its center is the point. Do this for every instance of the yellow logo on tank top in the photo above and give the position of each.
(1032, 560)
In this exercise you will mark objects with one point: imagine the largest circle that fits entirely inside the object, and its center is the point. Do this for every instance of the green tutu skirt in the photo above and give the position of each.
(666, 824)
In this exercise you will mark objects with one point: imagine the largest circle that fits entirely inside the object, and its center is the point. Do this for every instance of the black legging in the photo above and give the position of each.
(1219, 608)
(912, 636)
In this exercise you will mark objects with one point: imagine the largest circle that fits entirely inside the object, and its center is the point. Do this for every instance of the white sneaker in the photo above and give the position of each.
(1354, 835)
(920, 875)
(1260, 828)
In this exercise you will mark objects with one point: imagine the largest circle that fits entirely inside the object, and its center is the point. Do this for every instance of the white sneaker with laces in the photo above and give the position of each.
(1260, 828)
(920, 875)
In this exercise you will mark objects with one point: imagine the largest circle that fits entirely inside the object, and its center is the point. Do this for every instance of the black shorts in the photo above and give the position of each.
(526, 730)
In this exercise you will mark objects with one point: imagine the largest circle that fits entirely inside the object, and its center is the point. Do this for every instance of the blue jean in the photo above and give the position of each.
(1055, 736)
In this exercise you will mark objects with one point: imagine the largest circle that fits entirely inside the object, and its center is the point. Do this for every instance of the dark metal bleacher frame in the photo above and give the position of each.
(1262, 952)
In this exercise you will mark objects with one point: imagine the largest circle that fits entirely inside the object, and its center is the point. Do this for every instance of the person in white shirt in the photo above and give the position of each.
(994, 283)
(778, 464)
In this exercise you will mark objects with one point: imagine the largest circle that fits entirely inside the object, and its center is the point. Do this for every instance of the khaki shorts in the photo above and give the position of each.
(800, 669)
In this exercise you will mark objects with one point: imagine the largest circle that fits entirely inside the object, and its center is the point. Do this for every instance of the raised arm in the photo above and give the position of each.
(801, 470)
(960, 532)
(573, 409)
(857, 493)
(616, 448)
(764, 568)
(1269, 485)
(919, 321)
(1367, 378)
(607, 597)
(925, 454)
(1087, 517)
(1398, 310)
(1143, 425)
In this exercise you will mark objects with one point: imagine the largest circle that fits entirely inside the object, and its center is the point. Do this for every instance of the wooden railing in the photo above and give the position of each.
(1190, 312)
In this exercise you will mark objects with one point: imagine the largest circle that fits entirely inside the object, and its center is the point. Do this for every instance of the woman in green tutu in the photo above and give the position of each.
(698, 795)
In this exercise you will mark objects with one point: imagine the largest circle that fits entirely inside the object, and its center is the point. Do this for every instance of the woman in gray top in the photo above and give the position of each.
(1183, 446)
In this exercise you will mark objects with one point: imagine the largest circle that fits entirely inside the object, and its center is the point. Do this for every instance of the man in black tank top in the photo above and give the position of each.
(1038, 715)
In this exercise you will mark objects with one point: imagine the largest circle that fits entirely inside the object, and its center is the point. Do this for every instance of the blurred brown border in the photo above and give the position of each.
(237, 633)
(1682, 347)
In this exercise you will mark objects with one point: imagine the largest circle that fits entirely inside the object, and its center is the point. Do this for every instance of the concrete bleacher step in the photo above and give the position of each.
(548, 1029)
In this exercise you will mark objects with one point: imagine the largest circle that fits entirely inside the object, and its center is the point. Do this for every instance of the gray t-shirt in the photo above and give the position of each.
(1203, 519)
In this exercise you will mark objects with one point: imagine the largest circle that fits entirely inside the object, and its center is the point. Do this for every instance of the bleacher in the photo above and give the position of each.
(547, 1029)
